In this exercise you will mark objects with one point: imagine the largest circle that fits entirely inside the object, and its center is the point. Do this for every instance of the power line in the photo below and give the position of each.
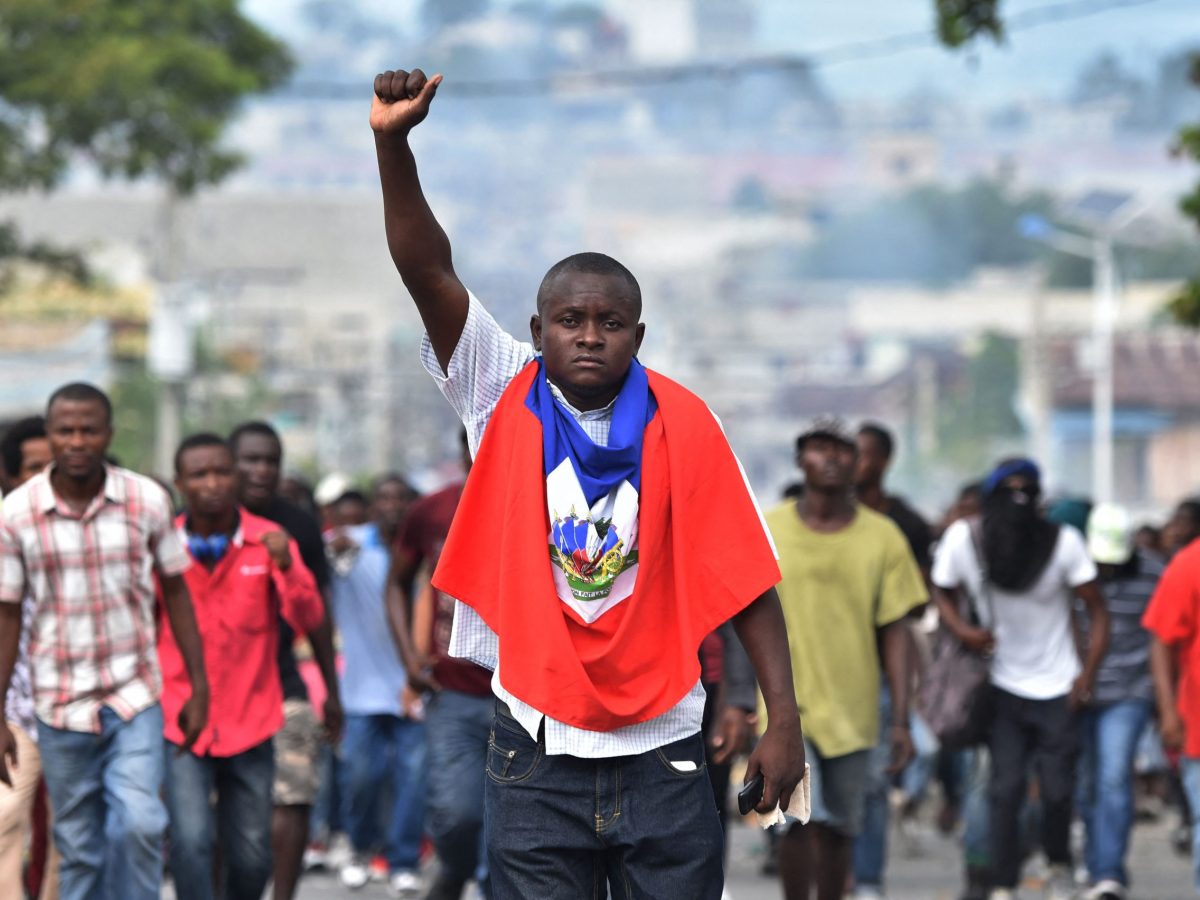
(1024, 20)
(602, 79)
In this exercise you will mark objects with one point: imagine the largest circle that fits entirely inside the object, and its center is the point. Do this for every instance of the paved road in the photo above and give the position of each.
(926, 867)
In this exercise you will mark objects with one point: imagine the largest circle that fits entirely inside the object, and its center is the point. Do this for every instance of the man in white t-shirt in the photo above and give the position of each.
(1021, 573)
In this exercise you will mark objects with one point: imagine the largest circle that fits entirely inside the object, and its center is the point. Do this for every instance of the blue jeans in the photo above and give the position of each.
(326, 818)
(1109, 743)
(1190, 771)
(108, 817)
(385, 755)
(977, 829)
(242, 821)
(458, 725)
(919, 772)
(870, 847)
(561, 827)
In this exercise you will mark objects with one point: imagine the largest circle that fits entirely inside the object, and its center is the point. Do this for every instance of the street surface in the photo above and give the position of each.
(926, 866)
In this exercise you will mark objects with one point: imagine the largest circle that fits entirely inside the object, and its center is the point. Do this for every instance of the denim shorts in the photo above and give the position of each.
(839, 788)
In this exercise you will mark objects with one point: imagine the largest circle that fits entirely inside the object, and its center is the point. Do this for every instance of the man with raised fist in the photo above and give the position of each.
(605, 529)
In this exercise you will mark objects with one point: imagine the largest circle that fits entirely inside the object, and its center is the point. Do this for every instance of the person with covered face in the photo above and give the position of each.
(606, 528)
(1027, 571)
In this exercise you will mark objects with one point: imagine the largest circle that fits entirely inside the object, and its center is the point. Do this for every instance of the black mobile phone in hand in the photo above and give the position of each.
(750, 795)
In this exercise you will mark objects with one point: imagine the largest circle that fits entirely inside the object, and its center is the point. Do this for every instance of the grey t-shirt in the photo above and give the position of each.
(1125, 672)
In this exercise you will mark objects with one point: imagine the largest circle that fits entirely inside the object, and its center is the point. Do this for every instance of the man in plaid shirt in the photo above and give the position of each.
(85, 539)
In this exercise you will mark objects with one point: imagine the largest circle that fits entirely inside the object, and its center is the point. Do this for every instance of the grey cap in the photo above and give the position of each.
(827, 426)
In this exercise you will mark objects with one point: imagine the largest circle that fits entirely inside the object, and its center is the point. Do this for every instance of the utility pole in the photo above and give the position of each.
(1104, 214)
(1104, 311)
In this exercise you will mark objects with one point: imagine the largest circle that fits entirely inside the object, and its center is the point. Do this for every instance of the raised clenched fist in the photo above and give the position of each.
(401, 100)
(277, 544)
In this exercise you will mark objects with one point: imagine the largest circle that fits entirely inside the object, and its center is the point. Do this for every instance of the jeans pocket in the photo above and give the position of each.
(683, 758)
(512, 757)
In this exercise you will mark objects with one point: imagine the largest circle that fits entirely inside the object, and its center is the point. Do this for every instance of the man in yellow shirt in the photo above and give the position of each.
(849, 579)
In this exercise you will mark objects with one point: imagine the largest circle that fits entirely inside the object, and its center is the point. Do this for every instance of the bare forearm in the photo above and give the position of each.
(10, 646)
(763, 632)
(1097, 644)
(1162, 670)
(321, 641)
(417, 242)
(182, 618)
(947, 605)
(1098, 624)
(397, 613)
(895, 661)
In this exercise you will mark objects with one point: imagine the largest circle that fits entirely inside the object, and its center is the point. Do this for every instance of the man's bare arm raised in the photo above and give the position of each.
(419, 246)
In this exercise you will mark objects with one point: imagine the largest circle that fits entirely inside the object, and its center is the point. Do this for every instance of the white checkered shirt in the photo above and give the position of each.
(486, 359)
(92, 580)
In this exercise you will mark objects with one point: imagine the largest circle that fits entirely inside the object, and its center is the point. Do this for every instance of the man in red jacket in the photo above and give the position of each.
(247, 573)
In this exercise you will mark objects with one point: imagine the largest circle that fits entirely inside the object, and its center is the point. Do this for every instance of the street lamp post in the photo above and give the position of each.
(1104, 318)
(1108, 214)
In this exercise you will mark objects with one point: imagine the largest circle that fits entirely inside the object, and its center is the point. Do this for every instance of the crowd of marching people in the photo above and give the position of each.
(538, 680)
(1018, 664)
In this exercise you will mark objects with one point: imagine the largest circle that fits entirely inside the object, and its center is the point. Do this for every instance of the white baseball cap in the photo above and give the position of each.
(1110, 534)
(330, 488)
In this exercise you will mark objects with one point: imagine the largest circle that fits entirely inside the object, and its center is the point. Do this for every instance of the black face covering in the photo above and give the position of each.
(1017, 542)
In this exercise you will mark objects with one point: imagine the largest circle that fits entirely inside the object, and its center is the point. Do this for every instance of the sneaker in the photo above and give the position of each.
(1181, 840)
(316, 856)
(1060, 885)
(977, 881)
(340, 852)
(1002, 894)
(378, 867)
(355, 874)
(868, 892)
(947, 818)
(405, 884)
(1108, 889)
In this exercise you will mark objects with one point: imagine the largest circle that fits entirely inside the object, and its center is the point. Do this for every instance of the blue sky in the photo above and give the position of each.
(1037, 60)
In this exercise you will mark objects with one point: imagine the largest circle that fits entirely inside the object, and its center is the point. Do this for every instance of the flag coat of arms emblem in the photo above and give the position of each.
(602, 569)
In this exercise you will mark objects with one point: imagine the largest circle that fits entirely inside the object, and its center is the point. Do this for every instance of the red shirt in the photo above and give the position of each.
(237, 606)
(1173, 617)
(421, 538)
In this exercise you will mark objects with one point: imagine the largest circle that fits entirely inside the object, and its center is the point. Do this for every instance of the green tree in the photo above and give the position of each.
(977, 419)
(931, 234)
(961, 22)
(138, 88)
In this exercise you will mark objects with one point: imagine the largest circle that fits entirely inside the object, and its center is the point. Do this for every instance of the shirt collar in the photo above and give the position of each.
(47, 501)
(239, 534)
(605, 412)
(114, 485)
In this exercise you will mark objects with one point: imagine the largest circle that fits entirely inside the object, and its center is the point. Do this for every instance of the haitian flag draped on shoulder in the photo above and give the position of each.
(601, 569)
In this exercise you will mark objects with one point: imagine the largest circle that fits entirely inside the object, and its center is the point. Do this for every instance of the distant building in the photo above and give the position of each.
(724, 28)
(1156, 419)
(37, 358)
